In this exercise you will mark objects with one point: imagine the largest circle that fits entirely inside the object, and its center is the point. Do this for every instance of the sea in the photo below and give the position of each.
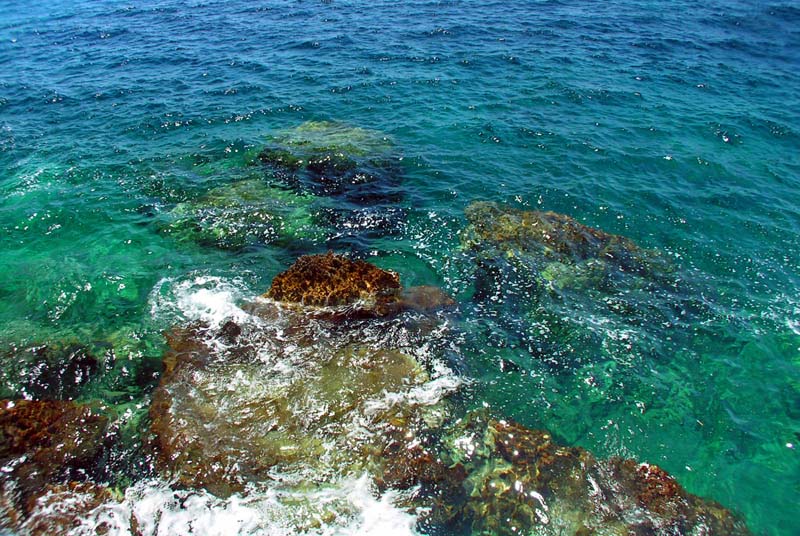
(675, 124)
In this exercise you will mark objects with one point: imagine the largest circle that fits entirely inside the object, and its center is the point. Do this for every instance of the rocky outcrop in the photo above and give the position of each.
(357, 167)
(350, 288)
(223, 423)
(314, 384)
(515, 480)
(45, 446)
(551, 235)
(334, 280)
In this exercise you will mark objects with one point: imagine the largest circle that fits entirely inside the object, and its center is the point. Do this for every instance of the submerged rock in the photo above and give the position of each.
(552, 236)
(221, 423)
(334, 159)
(61, 509)
(520, 481)
(350, 288)
(287, 394)
(547, 250)
(47, 371)
(356, 166)
(563, 289)
(244, 213)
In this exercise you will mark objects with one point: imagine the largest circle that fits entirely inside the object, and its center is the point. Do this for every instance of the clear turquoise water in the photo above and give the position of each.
(676, 124)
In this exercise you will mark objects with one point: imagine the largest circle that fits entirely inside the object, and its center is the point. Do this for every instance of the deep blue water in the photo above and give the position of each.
(676, 124)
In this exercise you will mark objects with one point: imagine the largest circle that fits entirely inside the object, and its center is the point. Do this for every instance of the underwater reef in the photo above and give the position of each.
(319, 182)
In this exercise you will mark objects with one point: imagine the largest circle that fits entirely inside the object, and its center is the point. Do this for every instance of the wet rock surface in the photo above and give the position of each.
(356, 287)
(224, 426)
(286, 396)
(45, 446)
(61, 509)
(514, 480)
(334, 280)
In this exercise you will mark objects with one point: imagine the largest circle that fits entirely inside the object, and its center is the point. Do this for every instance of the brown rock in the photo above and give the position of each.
(43, 444)
(344, 288)
(59, 509)
(334, 280)
(47, 440)
(223, 421)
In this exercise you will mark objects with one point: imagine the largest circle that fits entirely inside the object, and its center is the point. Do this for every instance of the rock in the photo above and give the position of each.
(55, 372)
(222, 421)
(60, 509)
(520, 481)
(45, 443)
(553, 236)
(550, 281)
(546, 250)
(245, 213)
(425, 298)
(333, 281)
(356, 166)
(286, 396)
(351, 288)
(320, 137)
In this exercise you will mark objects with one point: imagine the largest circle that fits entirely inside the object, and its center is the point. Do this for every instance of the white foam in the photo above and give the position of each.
(210, 299)
(346, 508)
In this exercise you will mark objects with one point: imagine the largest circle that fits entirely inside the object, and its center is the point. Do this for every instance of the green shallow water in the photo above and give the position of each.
(675, 125)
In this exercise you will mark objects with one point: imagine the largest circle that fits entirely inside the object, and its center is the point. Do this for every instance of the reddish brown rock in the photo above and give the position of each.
(334, 280)
(351, 288)
(42, 445)
(60, 509)
(46, 440)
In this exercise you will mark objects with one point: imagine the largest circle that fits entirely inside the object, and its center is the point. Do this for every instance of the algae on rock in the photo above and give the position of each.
(360, 168)
(515, 480)
(245, 213)
(341, 287)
